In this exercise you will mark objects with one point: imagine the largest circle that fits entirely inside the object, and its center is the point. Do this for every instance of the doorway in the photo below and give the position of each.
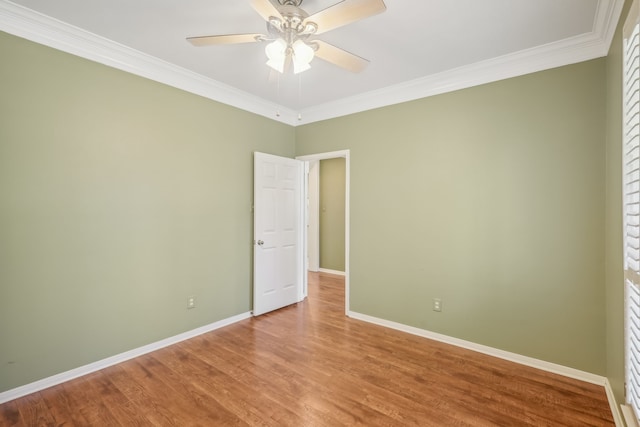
(313, 208)
(326, 218)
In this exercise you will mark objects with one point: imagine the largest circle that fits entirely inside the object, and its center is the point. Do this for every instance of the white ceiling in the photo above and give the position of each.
(416, 47)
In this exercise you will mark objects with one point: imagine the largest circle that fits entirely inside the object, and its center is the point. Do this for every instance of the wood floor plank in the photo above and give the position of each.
(227, 390)
(146, 403)
(323, 379)
(34, 411)
(185, 382)
(63, 410)
(10, 415)
(166, 394)
(310, 365)
(276, 380)
(122, 409)
(86, 401)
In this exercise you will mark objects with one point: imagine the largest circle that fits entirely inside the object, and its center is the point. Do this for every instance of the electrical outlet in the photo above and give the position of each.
(191, 302)
(437, 304)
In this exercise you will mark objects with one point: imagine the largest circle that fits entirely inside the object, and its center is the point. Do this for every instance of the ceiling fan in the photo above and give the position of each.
(291, 31)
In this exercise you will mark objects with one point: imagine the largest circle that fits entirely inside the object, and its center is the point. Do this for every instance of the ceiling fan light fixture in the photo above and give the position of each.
(298, 68)
(309, 28)
(302, 56)
(276, 51)
(278, 66)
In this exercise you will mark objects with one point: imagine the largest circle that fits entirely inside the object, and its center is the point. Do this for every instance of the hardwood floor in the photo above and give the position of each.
(309, 365)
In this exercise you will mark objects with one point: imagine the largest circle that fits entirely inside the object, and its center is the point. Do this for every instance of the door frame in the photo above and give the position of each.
(313, 216)
(346, 154)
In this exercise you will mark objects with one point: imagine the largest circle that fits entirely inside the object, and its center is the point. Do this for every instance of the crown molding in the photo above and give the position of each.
(39, 28)
(557, 54)
(606, 21)
(42, 29)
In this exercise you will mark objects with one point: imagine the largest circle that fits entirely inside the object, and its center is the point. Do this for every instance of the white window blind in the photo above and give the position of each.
(631, 207)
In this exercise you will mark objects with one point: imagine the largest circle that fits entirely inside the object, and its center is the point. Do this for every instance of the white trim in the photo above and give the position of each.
(606, 22)
(629, 181)
(26, 23)
(304, 229)
(616, 411)
(302, 232)
(347, 212)
(557, 54)
(313, 216)
(329, 271)
(113, 360)
(565, 52)
(122, 357)
(506, 355)
(629, 416)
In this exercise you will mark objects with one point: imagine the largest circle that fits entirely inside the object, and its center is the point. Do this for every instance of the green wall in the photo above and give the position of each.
(332, 205)
(490, 198)
(119, 198)
(614, 279)
(116, 204)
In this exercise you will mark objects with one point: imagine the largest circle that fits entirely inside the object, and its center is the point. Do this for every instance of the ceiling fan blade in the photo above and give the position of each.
(340, 57)
(266, 9)
(345, 12)
(224, 39)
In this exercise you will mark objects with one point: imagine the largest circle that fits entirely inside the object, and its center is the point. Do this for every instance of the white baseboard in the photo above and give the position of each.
(506, 355)
(122, 357)
(616, 410)
(113, 360)
(629, 416)
(326, 270)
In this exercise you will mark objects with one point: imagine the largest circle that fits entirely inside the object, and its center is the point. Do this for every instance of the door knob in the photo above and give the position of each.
(260, 242)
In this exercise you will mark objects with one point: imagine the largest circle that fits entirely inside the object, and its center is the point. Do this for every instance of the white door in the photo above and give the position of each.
(278, 237)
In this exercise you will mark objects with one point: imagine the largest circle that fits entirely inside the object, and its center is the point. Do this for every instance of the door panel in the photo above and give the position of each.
(278, 235)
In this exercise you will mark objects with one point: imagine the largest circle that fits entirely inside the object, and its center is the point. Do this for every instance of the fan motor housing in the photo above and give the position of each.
(293, 15)
(292, 23)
